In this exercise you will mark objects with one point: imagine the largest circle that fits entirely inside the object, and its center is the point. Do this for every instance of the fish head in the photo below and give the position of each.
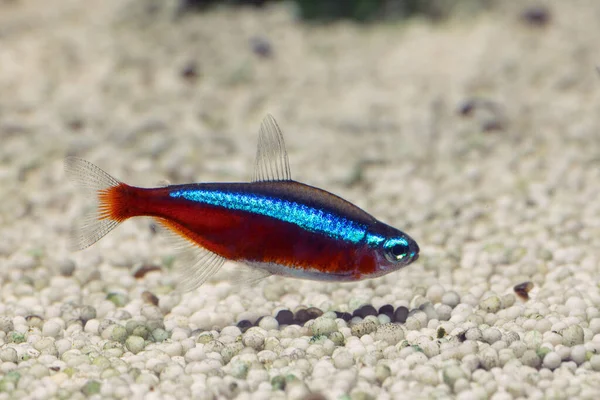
(393, 250)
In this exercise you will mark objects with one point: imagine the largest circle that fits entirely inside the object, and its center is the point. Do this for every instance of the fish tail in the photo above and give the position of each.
(111, 202)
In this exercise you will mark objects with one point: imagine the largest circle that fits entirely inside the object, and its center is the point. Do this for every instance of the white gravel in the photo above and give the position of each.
(369, 113)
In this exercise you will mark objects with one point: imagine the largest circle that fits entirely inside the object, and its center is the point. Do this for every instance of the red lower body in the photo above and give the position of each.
(241, 235)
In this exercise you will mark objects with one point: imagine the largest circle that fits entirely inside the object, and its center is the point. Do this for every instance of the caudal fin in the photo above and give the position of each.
(107, 195)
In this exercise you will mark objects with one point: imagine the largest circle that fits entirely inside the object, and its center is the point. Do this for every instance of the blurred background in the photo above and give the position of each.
(472, 125)
(463, 122)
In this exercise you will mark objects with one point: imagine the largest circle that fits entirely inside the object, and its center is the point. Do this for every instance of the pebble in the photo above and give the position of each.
(572, 335)
(391, 333)
(595, 362)
(364, 311)
(323, 326)
(268, 323)
(401, 314)
(491, 304)
(451, 299)
(51, 328)
(244, 325)
(342, 359)
(134, 344)
(285, 317)
(552, 360)
(491, 335)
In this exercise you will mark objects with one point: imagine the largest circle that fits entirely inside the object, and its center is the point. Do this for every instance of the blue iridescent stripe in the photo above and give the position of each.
(306, 217)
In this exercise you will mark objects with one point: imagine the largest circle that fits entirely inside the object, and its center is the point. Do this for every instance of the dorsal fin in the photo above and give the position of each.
(271, 157)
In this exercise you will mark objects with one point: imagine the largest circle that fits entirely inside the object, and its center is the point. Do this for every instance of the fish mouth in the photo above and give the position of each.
(414, 252)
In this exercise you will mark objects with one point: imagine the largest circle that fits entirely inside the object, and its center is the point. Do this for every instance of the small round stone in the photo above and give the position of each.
(474, 334)
(552, 360)
(400, 314)
(572, 335)
(363, 328)
(391, 333)
(387, 309)
(323, 326)
(595, 362)
(285, 317)
(134, 344)
(342, 359)
(531, 359)
(578, 354)
(435, 293)
(268, 323)
(451, 299)
(159, 335)
(253, 338)
(301, 316)
(119, 334)
(51, 328)
(66, 267)
(343, 315)
(244, 325)
(314, 312)
(365, 310)
(491, 335)
(491, 304)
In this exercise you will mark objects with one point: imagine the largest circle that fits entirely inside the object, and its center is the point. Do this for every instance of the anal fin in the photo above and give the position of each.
(243, 275)
(195, 264)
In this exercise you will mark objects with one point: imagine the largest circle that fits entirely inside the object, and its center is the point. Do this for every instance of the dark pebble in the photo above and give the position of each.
(365, 311)
(343, 315)
(400, 314)
(301, 316)
(536, 15)
(261, 46)
(144, 269)
(522, 290)
(190, 71)
(314, 312)
(244, 325)
(149, 297)
(285, 317)
(387, 309)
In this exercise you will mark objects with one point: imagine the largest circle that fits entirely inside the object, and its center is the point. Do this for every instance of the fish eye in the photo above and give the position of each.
(396, 249)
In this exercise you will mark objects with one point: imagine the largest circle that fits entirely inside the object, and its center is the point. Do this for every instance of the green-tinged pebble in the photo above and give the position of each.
(323, 326)
(141, 331)
(109, 373)
(317, 339)
(159, 335)
(16, 337)
(118, 299)
(91, 388)
(119, 334)
(101, 362)
(542, 351)
(135, 344)
(205, 337)
(12, 376)
(337, 338)
(361, 396)
(239, 369)
(69, 371)
(382, 372)
(278, 382)
(132, 324)
(6, 386)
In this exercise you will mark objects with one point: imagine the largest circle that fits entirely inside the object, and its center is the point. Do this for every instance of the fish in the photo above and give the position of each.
(272, 225)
